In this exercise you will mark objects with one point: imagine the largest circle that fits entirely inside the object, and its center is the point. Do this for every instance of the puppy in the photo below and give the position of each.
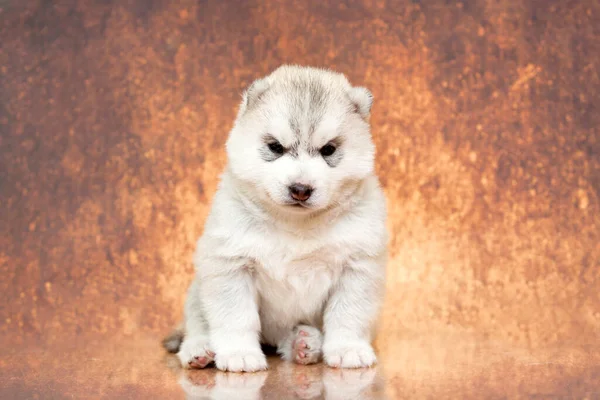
(294, 249)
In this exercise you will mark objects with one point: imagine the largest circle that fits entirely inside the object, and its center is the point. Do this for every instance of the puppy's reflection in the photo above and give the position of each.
(282, 381)
(350, 384)
(217, 385)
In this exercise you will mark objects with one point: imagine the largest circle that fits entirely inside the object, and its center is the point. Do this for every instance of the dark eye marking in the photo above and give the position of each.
(332, 152)
(328, 150)
(271, 149)
(276, 147)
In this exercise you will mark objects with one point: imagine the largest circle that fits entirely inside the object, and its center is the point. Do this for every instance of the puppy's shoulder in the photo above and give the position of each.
(364, 227)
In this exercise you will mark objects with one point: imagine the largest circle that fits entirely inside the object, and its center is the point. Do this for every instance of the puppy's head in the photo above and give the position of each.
(302, 139)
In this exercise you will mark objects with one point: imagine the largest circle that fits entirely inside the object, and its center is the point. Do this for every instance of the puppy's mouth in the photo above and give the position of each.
(298, 205)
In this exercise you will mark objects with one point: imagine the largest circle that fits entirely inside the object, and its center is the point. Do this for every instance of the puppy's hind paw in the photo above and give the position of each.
(303, 346)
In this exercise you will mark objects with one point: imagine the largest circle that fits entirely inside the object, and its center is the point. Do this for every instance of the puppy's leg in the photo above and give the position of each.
(302, 345)
(351, 313)
(229, 300)
(194, 351)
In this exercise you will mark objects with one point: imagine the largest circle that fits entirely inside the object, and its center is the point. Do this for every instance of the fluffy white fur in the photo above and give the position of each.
(306, 278)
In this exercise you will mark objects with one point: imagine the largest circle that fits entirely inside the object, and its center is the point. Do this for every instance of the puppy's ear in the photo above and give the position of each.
(253, 94)
(362, 99)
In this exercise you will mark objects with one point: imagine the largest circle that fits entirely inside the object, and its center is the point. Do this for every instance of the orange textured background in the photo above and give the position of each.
(113, 117)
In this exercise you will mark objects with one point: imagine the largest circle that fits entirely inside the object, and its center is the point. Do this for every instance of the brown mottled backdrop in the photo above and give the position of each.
(113, 117)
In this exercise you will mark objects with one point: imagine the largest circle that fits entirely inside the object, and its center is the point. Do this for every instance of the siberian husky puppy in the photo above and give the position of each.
(294, 249)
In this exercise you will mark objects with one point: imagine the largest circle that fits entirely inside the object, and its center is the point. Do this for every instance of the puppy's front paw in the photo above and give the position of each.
(241, 361)
(349, 354)
(194, 352)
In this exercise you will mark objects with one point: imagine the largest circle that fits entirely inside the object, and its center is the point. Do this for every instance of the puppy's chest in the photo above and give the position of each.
(300, 267)
(289, 261)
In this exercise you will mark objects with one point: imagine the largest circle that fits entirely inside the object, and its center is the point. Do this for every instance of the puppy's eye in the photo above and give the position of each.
(327, 150)
(276, 147)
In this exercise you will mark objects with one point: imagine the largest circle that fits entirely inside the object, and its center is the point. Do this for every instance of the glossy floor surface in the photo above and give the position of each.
(448, 366)
(113, 120)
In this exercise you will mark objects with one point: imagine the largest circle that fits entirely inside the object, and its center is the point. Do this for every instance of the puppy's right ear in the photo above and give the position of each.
(253, 94)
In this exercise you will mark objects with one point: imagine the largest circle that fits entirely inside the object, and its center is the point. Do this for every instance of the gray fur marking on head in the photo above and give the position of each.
(309, 101)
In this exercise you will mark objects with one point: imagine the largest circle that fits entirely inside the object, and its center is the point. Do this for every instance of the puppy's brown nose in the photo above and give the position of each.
(300, 192)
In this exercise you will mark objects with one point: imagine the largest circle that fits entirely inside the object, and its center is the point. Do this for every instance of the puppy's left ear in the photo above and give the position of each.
(362, 99)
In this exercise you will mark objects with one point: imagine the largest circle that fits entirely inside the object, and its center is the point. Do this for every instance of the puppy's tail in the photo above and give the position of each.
(173, 341)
